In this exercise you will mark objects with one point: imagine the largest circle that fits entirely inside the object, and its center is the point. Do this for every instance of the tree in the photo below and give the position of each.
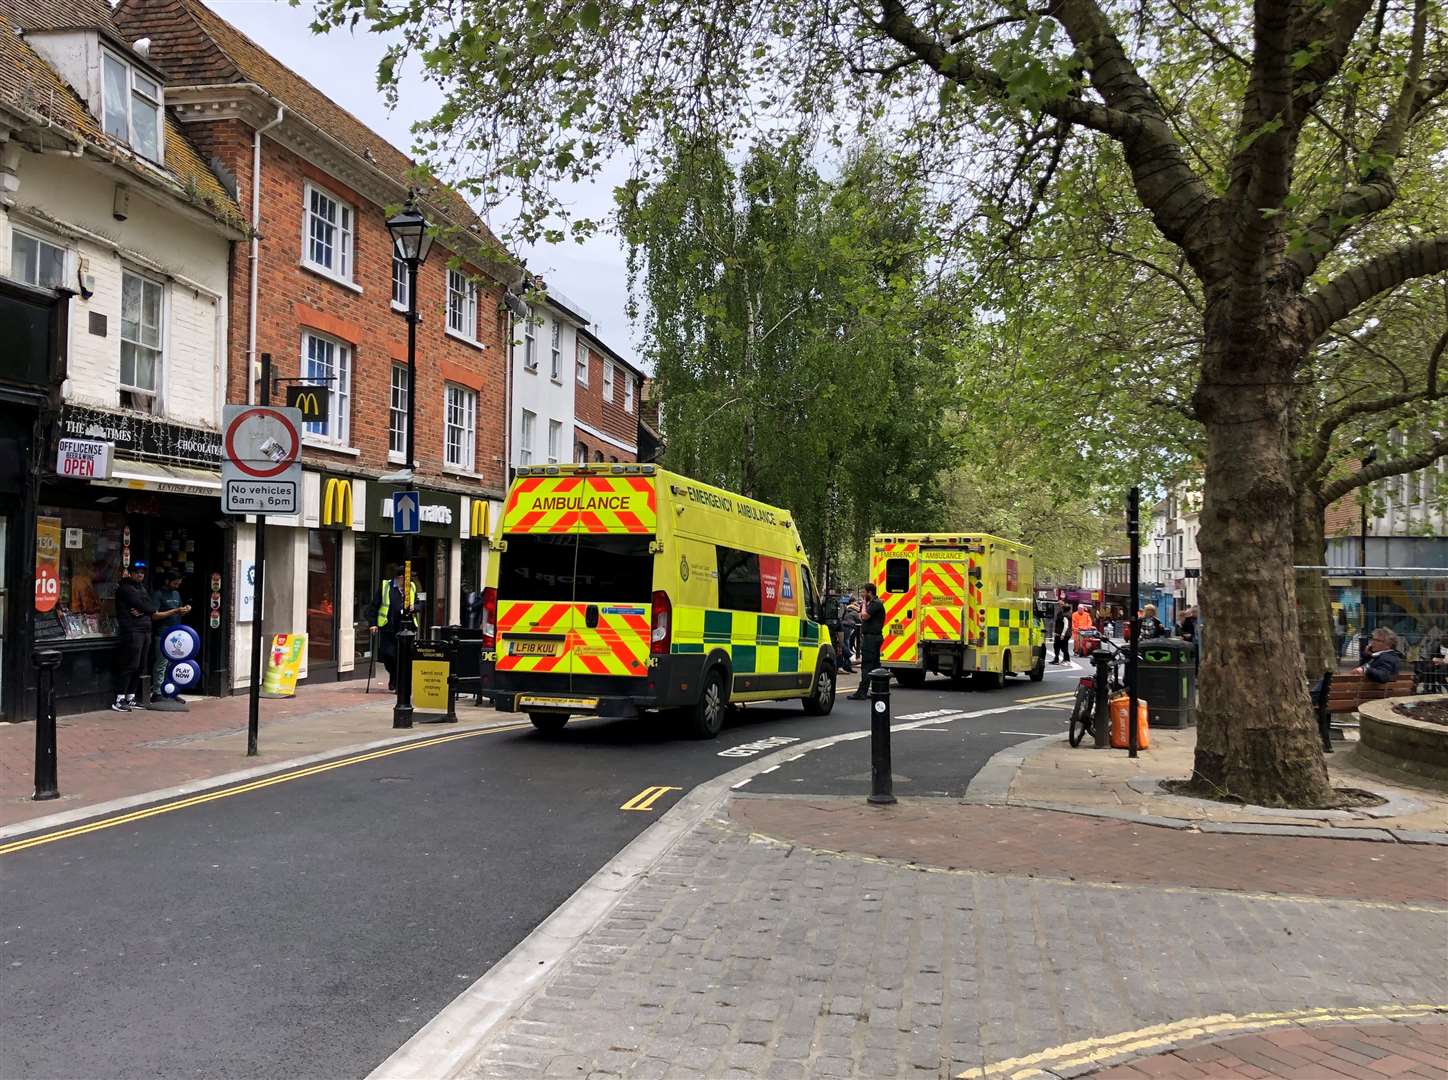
(1282, 241)
(793, 336)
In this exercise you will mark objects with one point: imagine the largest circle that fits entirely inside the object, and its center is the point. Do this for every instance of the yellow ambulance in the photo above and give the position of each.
(958, 604)
(617, 590)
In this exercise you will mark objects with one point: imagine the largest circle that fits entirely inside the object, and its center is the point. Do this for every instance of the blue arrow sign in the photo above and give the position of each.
(406, 516)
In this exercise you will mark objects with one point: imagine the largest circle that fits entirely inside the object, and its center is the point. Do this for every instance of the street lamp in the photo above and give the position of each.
(412, 241)
(1368, 458)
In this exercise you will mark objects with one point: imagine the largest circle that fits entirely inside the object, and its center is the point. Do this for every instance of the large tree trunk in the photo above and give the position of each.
(1314, 608)
(1256, 738)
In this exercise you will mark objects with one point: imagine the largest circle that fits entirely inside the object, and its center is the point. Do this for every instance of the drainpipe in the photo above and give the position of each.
(252, 258)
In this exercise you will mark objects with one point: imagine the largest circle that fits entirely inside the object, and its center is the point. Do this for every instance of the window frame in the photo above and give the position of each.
(39, 240)
(399, 284)
(555, 440)
(397, 410)
(467, 397)
(530, 345)
(608, 380)
(468, 295)
(628, 391)
(580, 363)
(527, 420)
(339, 392)
(346, 251)
(555, 352)
(133, 92)
(146, 279)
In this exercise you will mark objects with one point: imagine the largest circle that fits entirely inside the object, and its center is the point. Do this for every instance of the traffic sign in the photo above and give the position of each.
(406, 512)
(261, 472)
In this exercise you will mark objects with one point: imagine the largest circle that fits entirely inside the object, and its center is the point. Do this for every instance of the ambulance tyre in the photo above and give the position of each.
(549, 722)
(822, 697)
(988, 680)
(1039, 671)
(705, 718)
(910, 678)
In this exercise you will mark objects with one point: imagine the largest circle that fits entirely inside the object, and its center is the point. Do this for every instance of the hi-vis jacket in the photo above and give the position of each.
(384, 606)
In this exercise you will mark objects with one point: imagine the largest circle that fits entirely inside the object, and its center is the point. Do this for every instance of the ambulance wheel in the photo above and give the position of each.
(548, 721)
(705, 718)
(988, 680)
(1039, 671)
(910, 678)
(822, 698)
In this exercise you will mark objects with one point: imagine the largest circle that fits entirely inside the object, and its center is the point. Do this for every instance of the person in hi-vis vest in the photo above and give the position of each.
(389, 615)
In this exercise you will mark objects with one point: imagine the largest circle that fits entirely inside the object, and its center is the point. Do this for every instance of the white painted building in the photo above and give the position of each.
(545, 351)
(102, 196)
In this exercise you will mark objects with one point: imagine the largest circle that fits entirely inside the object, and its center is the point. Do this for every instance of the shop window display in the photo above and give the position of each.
(77, 569)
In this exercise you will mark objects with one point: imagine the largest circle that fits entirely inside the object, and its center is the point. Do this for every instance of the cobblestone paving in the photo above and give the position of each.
(737, 959)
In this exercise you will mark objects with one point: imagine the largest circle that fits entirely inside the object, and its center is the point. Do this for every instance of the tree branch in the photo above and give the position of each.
(1161, 271)
(1380, 470)
(1383, 272)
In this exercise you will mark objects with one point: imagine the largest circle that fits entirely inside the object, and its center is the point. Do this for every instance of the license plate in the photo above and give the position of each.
(539, 701)
(532, 648)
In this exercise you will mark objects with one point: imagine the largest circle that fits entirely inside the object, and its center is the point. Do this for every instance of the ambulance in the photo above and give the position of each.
(617, 590)
(958, 604)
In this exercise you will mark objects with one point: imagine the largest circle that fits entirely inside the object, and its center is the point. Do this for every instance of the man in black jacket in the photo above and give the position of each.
(1061, 633)
(134, 611)
(872, 636)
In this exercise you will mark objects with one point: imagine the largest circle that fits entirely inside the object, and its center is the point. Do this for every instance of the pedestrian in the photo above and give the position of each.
(168, 614)
(1061, 631)
(872, 636)
(390, 614)
(1187, 631)
(472, 606)
(1383, 659)
(1151, 626)
(135, 612)
(850, 624)
(1080, 621)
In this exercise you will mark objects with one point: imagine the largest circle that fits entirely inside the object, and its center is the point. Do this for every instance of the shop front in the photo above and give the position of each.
(144, 490)
(440, 530)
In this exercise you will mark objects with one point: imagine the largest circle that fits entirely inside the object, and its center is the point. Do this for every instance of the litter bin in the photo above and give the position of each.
(1166, 677)
(467, 642)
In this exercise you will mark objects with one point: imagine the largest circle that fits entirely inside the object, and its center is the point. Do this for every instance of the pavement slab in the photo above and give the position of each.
(740, 956)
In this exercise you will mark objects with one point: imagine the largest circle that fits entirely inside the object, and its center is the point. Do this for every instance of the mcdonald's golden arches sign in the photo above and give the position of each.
(479, 525)
(337, 502)
(310, 401)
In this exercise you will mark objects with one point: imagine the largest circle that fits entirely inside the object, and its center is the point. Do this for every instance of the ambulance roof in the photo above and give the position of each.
(946, 539)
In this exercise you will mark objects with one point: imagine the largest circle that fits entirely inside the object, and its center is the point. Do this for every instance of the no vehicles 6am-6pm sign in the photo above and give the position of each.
(261, 468)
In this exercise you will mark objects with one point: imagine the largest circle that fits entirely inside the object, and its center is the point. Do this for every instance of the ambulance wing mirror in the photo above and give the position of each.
(498, 544)
(656, 547)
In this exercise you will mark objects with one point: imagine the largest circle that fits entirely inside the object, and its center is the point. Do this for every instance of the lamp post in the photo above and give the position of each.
(412, 241)
(1368, 458)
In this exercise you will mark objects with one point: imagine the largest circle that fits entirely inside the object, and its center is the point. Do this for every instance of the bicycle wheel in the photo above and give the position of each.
(1081, 715)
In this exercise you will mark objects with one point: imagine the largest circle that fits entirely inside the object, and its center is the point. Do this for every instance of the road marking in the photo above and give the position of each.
(646, 798)
(1046, 697)
(1048, 1063)
(749, 749)
(255, 785)
(1030, 733)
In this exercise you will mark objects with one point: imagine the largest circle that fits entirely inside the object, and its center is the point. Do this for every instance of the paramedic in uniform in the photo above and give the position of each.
(872, 636)
(390, 615)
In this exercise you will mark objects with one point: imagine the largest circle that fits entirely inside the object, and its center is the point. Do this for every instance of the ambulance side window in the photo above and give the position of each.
(811, 608)
(738, 580)
(897, 576)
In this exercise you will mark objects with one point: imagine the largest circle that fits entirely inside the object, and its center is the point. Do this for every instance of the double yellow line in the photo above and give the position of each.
(646, 798)
(242, 789)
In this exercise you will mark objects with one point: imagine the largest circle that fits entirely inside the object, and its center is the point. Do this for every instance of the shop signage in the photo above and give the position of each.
(262, 470)
(337, 502)
(142, 437)
(88, 459)
(439, 512)
(430, 665)
(1193, 571)
(47, 563)
(283, 665)
(310, 401)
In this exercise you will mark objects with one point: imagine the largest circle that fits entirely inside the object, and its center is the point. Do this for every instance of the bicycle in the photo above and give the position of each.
(1106, 658)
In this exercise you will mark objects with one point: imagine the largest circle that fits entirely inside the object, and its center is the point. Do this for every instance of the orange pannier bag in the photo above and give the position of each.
(1120, 737)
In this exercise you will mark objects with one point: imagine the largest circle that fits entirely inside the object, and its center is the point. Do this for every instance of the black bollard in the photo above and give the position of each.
(882, 781)
(47, 785)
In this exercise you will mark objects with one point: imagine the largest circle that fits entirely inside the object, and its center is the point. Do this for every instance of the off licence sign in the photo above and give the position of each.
(88, 458)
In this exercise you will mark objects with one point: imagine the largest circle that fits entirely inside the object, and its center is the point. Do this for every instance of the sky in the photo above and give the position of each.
(343, 66)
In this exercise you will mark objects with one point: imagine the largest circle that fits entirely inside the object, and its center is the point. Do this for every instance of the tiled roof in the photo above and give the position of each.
(196, 46)
(32, 86)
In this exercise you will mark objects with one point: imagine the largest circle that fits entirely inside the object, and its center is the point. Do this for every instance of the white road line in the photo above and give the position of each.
(1030, 733)
(769, 770)
(741, 783)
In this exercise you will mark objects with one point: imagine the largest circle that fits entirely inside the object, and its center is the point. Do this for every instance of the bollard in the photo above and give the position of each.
(1102, 662)
(47, 786)
(882, 781)
(452, 698)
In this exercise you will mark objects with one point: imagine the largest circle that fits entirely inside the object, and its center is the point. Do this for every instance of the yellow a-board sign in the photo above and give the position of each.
(283, 665)
(429, 678)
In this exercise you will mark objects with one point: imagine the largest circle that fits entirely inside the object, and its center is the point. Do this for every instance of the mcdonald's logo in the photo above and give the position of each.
(310, 401)
(337, 503)
(479, 526)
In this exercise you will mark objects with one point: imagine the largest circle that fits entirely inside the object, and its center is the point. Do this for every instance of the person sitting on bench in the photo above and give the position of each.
(1383, 658)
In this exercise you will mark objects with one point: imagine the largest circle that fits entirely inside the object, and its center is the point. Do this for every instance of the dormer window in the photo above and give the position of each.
(132, 107)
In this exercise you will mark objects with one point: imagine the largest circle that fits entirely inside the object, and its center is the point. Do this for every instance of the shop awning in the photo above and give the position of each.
(174, 479)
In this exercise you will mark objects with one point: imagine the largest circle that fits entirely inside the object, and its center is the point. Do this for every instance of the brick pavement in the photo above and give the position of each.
(1319, 1052)
(737, 958)
(1045, 843)
(108, 755)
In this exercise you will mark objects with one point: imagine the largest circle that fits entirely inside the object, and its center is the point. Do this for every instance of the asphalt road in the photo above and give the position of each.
(309, 928)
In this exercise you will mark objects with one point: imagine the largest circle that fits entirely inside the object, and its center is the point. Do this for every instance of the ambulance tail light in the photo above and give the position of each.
(661, 634)
(490, 618)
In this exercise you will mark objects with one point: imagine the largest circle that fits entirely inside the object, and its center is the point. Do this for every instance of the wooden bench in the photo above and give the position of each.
(1343, 693)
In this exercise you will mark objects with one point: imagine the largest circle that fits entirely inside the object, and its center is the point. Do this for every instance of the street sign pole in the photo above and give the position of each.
(1133, 535)
(258, 580)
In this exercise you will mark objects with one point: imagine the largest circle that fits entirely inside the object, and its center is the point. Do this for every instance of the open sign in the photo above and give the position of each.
(84, 459)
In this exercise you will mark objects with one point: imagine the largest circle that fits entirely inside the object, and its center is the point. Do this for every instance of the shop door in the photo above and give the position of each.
(323, 555)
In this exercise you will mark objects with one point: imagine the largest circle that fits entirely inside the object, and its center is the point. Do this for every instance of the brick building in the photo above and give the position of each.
(607, 399)
(318, 288)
